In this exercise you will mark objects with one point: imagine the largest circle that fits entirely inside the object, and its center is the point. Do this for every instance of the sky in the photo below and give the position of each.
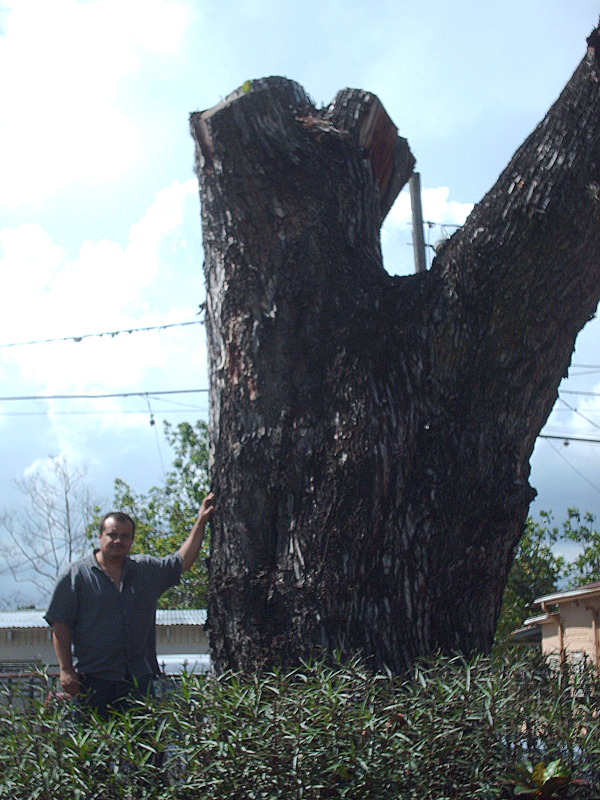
(99, 211)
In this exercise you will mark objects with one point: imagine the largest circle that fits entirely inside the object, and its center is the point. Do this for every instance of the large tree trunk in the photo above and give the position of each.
(371, 435)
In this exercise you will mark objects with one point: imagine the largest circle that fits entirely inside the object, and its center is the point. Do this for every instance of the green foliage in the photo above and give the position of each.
(539, 780)
(165, 514)
(450, 730)
(535, 572)
(578, 528)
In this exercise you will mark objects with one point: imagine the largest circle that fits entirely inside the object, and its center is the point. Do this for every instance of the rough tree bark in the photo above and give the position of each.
(370, 434)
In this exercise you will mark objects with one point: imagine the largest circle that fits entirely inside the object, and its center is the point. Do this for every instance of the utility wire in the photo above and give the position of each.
(186, 410)
(574, 468)
(174, 403)
(568, 438)
(153, 424)
(112, 334)
(572, 391)
(583, 416)
(98, 396)
(557, 410)
(162, 392)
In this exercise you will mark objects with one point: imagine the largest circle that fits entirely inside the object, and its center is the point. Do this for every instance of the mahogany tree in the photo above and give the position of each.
(370, 435)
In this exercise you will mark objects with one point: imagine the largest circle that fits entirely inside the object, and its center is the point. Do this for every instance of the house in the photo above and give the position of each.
(180, 639)
(568, 625)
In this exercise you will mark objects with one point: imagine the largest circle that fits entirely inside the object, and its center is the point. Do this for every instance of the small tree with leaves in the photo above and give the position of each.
(580, 529)
(49, 532)
(536, 571)
(165, 514)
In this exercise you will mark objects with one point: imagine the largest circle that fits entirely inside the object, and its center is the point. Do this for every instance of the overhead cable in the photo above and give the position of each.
(568, 438)
(164, 392)
(573, 467)
(112, 334)
(573, 391)
(583, 416)
(143, 411)
(99, 396)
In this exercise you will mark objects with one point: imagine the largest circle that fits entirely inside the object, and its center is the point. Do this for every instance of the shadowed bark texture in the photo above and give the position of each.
(370, 434)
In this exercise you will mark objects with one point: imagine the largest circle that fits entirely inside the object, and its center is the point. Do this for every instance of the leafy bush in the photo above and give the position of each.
(452, 729)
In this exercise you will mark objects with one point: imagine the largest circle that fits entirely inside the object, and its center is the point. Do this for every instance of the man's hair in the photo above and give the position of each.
(118, 516)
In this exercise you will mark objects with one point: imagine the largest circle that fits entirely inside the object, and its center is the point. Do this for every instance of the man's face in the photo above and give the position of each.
(115, 540)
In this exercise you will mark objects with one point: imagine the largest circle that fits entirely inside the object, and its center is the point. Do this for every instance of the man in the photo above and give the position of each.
(104, 608)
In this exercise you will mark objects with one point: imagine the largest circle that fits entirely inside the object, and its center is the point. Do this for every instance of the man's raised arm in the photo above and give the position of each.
(191, 547)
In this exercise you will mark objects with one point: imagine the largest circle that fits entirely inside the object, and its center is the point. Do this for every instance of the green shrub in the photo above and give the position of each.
(451, 730)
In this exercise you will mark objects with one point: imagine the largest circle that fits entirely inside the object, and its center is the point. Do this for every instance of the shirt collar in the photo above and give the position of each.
(91, 560)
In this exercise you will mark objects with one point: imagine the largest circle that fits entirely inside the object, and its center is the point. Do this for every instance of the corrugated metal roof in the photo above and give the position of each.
(28, 618)
(181, 616)
(34, 617)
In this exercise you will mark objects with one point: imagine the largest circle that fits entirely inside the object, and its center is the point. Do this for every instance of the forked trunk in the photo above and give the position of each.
(371, 435)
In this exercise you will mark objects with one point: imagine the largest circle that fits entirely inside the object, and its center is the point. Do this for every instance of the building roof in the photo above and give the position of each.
(569, 594)
(575, 593)
(528, 634)
(532, 628)
(34, 617)
(540, 620)
(28, 618)
(181, 616)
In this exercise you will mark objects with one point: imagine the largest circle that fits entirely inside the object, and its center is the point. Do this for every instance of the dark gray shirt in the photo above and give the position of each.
(114, 632)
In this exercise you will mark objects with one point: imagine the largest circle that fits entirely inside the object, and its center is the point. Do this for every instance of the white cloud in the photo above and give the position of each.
(152, 280)
(47, 296)
(396, 232)
(436, 208)
(163, 216)
(30, 259)
(62, 62)
(106, 288)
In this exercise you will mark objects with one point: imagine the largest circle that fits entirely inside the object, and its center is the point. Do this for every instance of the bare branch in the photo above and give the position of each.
(49, 531)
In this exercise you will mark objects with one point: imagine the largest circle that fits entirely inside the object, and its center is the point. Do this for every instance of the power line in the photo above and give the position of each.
(175, 403)
(153, 424)
(573, 467)
(557, 410)
(568, 438)
(112, 334)
(161, 392)
(99, 396)
(143, 411)
(583, 416)
(186, 409)
(573, 391)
